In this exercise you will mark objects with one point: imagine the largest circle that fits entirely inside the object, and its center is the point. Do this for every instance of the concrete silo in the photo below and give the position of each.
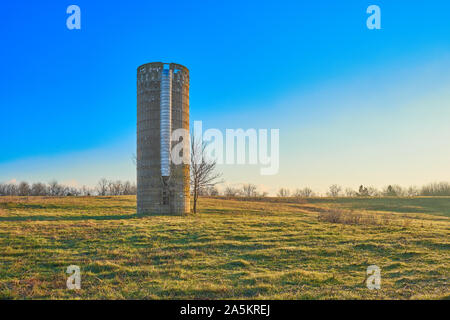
(162, 107)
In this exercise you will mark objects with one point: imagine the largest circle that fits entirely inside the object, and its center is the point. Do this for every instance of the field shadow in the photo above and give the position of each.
(439, 206)
(215, 211)
(69, 218)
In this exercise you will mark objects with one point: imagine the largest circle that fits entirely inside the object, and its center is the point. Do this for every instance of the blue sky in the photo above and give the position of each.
(353, 105)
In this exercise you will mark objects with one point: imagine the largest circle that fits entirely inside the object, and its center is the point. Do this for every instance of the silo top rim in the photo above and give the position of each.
(161, 64)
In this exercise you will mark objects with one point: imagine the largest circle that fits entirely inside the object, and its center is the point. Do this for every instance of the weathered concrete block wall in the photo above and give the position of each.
(157, 194)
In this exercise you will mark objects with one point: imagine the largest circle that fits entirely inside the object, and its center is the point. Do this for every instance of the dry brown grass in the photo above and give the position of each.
(350, 217)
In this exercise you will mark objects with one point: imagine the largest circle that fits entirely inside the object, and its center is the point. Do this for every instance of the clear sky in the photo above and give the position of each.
(354, 106)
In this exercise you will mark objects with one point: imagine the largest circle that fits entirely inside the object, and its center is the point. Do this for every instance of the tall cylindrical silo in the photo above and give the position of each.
(162, 107)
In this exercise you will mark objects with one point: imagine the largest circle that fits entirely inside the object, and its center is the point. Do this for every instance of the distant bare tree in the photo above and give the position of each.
(24, 189)
(102, 187)
(373, 192)
(212, 191)
(54, 189)
(413, 191)
(367, 192)
(110, 188)
(209, 191)
(231, 192)
(203, 170)
(64, 190)
(283, 193)
(11, 189)
(38, 189)
(117, 188)
(297, 193)
(86, 191)
(72, 192)
(349, 192)
(249, 190)
(3, 189)
(334, 190)
(393, 191)
(303, 193)
(127, 188)
(436, 189)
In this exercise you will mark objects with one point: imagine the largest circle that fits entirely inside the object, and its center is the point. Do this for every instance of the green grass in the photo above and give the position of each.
(266, 249)
(431, 205)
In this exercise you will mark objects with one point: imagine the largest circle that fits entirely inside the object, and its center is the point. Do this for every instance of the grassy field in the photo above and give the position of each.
(234, 248)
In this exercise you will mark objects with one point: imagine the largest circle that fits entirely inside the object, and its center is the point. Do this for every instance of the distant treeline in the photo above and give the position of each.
(53, 188)
(115, 188)
(251, 190)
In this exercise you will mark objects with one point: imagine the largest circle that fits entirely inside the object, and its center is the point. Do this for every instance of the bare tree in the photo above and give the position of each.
(394, 191)
(209, 191)
(436, 189)
(64, 190)
(127, 188)
(102, 187)
(212, 191)
(54, 189)
(303, 193)
(110, 188)
(373, 192)
(367, 192)
(3, 189)
(334, 190)
(283, 193)
(297, 193)
(117, 188)
(203, 170)
(249, 190)
(38, 189)
(231, 192)
(349, 192)
(11, 189)
(86, 191)
(413, 191)
(24, 189)
(72, 191)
